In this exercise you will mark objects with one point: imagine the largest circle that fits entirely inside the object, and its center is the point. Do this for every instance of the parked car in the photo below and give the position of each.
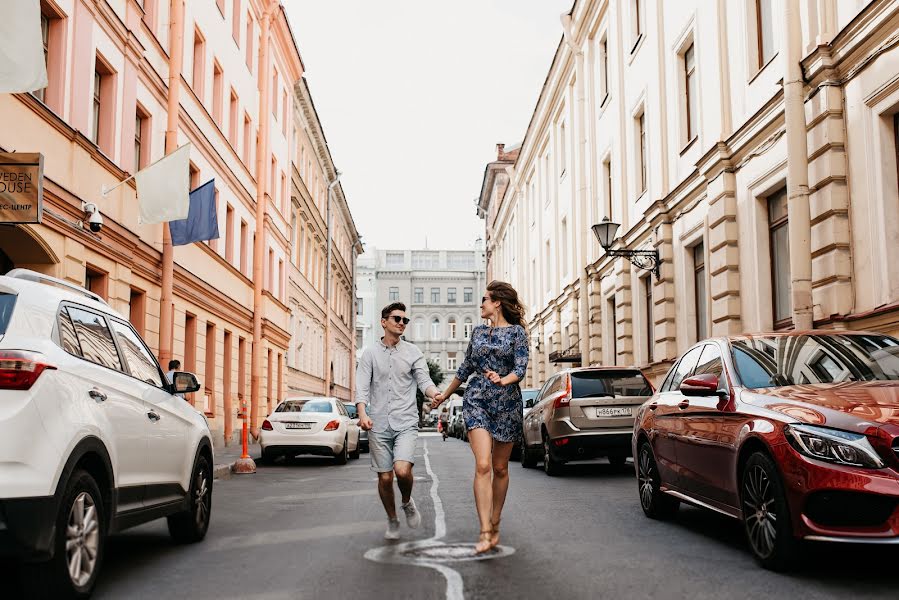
(584, 413)
(310, 425)
(92, 439)
(456, 424)
(354, 415)
(794, 434)
(528, 400)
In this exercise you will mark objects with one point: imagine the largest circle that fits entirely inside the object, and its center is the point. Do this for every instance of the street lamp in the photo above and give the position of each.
(642, 259)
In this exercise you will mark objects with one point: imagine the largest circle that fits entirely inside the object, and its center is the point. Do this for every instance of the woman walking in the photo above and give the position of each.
(497, 356)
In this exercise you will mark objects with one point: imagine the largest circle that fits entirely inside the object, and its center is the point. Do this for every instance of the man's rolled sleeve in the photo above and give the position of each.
(423, 375)
(363, 380)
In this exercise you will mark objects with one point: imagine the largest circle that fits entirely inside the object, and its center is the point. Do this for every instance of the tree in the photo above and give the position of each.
(437, 377)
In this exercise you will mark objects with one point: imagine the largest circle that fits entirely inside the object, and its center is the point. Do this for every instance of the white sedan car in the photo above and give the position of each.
(311, 425)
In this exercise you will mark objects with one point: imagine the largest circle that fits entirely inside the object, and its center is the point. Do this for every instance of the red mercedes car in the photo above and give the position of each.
(795, 434)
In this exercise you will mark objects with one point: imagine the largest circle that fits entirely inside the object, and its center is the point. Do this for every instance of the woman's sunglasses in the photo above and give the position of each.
(398, 319)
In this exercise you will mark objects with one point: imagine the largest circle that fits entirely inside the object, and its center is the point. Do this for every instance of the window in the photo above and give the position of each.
(234, 114)
(451, 329)
(394, 295)
(451, 295)
(468, 328)
(141, 139)
(284, 106)
(394, 260)
(691, 92)
(607, 185)
(764, 31)
(96, 281)
(138, 360)
(209, 377)
(249, 43)
(563, 242)
(419, 295)
(649, 321)
(683, 369)
(190, 346)
(419, 330)
(94, 338)
(435, 328)
(435, 358)
(235, 22)
(247, 139)
(137, 310)
(45, 38)
(709, 361)
(68, 339)
(563, 151)
(360, 308)
(244, 250)
(468, 295)
(226, 378)
(779, 240)
(435, 295)
(272, 190)
(546, 264)
(229, 234)
(604, 70)
(641, 153)
(217, 93)
(275, 93)
(636, 22)
(425, 260)
(103, 108)
(221, 6)
(451, 362)
(199, 65)
(699, 291)
(613, 328)
(194, 176)
(241, 368)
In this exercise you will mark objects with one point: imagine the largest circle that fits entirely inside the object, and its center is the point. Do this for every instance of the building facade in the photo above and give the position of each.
(442, 292)
(321, 358)
(622, 131)
(130, 81)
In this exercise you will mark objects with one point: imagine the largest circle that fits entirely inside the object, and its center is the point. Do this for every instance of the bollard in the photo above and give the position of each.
(244, 464)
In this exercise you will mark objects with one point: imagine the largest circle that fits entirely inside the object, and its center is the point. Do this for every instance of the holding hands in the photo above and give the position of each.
(437, 400)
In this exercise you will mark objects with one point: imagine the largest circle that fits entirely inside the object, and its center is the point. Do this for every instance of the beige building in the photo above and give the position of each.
(669, 118)
(321, 358)
(130, 81)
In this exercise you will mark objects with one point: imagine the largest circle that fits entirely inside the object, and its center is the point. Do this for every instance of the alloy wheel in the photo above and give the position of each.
(201, 498)
(646, 476)
(760, 510)
(82, 539)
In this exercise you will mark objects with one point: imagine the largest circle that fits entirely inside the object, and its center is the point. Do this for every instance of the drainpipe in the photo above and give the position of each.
(797, 172)
(327, 392)
(582, 193)
(261, 208)
(176, 59)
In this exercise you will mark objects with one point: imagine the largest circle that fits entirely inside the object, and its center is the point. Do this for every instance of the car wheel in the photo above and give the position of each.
(528, 460)
(551, 466)
(268, 457)
(766, 514)
(656, 504)
(190, 526)
(342, 456)
(617, 461)
(79, 544)
(355, 454)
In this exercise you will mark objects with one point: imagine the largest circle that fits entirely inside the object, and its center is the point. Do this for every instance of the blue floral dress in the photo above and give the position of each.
(485, 404)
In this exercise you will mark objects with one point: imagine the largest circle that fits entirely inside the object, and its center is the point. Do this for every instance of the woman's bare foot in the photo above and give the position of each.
(484, 542)
(494, 534)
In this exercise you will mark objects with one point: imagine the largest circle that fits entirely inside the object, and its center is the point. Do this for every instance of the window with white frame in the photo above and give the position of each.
(435, 328)
(691, 92)
(766, 46)
(419, 295)
(435, 295)
(779, 240)
(469, 326)
(451, 361)
(468, 295)
(451, 329)
(394, 294)
(637, 16)
(640, 142)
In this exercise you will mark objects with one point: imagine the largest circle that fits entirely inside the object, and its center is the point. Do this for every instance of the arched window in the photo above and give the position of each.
(435, 328)
(451, 328)
(419, 330)
(469, 326)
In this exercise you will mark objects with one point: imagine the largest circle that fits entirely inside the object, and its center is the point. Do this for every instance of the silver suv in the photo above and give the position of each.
(584, 413)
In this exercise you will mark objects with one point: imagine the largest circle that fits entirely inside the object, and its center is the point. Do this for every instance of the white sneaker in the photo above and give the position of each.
(413, 517)
(393, 530)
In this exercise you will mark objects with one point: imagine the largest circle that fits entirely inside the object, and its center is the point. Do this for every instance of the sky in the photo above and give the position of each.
(414, 95)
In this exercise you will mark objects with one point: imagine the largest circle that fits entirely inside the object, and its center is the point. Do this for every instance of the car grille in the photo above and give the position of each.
(849, 509)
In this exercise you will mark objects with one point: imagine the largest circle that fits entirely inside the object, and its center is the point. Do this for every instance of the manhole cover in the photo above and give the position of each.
(455, 552)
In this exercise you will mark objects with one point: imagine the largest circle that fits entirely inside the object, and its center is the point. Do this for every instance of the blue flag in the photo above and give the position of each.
(202, 221)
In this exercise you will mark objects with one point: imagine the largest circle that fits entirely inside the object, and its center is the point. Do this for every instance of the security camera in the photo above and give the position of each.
(95, 219)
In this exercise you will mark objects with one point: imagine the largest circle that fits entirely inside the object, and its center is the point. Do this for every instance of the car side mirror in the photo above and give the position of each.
(700, 385)
(184, 383)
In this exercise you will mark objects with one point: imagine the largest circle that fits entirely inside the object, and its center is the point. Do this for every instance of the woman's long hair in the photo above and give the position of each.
(510, 304)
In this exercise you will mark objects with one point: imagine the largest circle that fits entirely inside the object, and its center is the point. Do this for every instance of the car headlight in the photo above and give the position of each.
(833, 445)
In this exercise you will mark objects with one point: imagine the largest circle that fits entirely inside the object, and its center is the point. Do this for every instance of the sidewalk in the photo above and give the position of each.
(226, 455)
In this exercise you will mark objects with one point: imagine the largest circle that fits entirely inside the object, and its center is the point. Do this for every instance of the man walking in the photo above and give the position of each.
(386, 378)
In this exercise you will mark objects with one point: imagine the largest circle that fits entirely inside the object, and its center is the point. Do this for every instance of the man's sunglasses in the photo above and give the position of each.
(398, 319)
(484, 299)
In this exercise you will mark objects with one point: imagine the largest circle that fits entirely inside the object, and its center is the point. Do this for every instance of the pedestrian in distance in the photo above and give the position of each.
(174, 365)
(497, 357)
(386, 378)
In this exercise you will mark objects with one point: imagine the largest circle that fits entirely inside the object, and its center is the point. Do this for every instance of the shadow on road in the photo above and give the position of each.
(596, 469)
(305, 461)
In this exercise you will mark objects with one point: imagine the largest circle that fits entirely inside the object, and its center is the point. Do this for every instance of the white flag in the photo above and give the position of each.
(22, 67)
(163, 188)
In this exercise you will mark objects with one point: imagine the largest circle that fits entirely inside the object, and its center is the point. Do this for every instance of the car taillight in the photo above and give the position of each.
(267, 425)
(564, 399)
(19, 369)
(333, 425)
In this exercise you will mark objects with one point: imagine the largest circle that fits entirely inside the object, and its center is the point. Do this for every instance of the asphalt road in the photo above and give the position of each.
(302, 530)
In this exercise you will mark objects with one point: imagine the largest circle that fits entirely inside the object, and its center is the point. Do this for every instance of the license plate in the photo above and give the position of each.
(298, 425)
(613, 411)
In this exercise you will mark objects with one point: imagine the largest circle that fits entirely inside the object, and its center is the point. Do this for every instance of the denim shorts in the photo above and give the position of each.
(388, 446)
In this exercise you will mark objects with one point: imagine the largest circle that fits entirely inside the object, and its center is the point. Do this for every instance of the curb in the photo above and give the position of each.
(221, 472)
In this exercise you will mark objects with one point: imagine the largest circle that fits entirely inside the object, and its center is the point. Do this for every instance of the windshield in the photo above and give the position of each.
(351, 410)
(589, 384)
(7, 302)
(776, 361)
(306, 406)
(529, 394)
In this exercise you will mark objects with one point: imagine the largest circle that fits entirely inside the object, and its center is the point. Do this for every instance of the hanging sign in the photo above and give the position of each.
(21, 187)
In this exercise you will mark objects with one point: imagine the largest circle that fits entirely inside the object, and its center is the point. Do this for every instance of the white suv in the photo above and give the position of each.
(92, 439)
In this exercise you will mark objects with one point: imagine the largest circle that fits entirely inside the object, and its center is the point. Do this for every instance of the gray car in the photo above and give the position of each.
(363, 434)
(584, 413)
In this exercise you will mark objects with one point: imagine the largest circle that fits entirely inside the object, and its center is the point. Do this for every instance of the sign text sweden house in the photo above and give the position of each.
(21, 187)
